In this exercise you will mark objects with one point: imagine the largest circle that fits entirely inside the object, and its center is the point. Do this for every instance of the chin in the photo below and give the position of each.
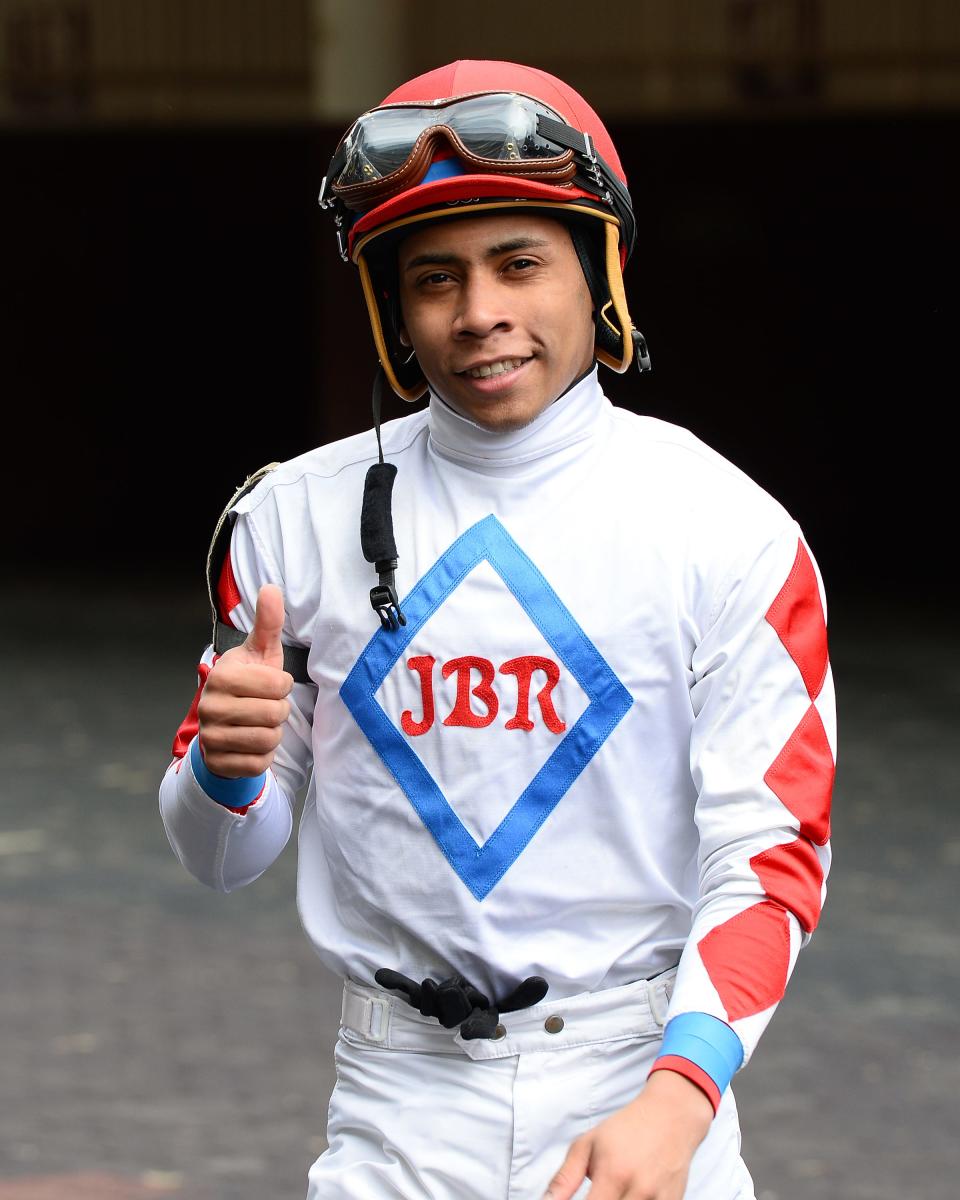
(505, 422)
(497, 414)
(501, 417)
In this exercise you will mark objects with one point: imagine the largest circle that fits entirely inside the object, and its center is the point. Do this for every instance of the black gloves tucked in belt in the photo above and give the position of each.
(455, 1001)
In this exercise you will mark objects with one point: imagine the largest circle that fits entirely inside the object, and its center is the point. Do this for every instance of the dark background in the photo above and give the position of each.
(178, 315)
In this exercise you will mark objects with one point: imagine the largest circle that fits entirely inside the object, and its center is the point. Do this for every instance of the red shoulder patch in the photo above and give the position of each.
(797, 616)
(228, 594)
(191, 722)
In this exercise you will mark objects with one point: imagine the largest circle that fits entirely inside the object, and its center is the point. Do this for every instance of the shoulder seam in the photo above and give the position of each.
(353, 462)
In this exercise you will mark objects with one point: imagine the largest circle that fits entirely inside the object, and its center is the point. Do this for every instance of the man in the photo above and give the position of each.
(581, 773)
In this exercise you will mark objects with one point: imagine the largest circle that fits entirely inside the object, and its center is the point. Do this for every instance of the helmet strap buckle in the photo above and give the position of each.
(640, 352)
(341, 239)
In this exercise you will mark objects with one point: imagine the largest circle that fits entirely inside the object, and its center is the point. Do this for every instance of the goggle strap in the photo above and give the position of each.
(565, 135)
(596, 176)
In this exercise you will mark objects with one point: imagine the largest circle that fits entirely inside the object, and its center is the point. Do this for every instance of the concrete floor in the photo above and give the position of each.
(161, 1040)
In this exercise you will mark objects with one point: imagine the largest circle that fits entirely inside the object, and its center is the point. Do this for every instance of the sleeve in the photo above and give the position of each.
(227, 832)
(762, 756)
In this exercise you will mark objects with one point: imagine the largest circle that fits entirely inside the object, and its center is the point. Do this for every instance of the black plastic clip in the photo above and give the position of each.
(383, 597)
(640, 351)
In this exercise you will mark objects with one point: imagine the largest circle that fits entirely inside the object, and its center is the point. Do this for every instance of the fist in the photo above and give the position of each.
(243, 705)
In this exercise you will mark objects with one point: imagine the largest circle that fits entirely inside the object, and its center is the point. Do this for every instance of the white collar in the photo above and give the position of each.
(571, 418)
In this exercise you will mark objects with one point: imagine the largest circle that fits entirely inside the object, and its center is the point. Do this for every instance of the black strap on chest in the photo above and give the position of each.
(224, 636)
(376, 526)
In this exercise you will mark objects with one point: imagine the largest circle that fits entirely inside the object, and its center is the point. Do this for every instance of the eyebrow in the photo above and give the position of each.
(440, 258)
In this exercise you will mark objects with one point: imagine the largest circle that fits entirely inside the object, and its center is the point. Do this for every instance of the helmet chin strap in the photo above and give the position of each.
(376, 525)
(606, 339)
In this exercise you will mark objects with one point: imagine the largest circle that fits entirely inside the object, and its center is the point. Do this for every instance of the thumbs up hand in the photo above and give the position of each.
(243, 705)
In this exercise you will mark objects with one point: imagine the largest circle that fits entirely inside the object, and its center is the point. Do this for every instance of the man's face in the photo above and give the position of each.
(499, 314)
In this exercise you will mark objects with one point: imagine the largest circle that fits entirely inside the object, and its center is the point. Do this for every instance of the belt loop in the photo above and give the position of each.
(658, 999)
(379, 1020)
(369, 1016)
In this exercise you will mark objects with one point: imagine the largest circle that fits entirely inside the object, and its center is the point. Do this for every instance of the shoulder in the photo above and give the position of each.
(689, 476)
(720, 527)
(323, 469)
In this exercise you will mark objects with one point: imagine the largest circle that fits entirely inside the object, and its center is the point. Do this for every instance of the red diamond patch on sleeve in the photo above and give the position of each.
(747, 959)
(228, 594)
(792, 876)
(797, 616)
(190, 725)
(801, 777)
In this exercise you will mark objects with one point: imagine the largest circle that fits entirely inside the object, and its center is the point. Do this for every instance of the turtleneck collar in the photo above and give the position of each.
(570, 419)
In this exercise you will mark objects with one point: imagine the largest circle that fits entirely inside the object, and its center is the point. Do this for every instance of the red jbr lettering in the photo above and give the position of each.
(524, 668)
(462, 714)
(423, 665)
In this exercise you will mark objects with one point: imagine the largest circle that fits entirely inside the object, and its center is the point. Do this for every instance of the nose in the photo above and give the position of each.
(483, 307)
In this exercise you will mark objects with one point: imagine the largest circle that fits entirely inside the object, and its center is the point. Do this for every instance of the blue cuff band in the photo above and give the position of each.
(231, 793)
(706, 1041)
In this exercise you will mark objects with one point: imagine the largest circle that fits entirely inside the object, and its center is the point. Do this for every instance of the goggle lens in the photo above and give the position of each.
(498, 127)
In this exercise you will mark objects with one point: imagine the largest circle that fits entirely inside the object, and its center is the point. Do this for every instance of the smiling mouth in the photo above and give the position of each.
(494, 368)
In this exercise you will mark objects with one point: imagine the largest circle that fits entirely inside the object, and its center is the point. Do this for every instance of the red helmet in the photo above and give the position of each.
(490, 136)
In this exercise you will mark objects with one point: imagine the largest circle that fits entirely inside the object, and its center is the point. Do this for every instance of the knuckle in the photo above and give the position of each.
(209, 709)
(221, 681)
(282, 684)
(211, 739)
(564, 1177)
(250, 765)
(270, 740)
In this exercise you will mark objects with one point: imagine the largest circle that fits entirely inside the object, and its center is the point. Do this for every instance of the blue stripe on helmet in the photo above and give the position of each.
(446, 168)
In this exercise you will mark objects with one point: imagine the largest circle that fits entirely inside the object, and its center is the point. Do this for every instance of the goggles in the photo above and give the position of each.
(389, 150)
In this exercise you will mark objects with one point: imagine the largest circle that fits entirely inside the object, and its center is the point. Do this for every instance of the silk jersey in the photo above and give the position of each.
(602, 744)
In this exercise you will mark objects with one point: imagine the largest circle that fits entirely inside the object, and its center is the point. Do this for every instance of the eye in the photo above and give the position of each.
(434, 279)
(521, 264)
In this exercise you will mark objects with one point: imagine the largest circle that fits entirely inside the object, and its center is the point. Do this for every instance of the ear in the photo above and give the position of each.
(404, 336)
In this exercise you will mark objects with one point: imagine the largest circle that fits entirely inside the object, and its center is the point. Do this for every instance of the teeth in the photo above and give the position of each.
(497, 368)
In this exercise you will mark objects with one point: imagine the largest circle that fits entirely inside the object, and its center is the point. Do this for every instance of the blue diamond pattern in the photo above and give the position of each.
(482, 867)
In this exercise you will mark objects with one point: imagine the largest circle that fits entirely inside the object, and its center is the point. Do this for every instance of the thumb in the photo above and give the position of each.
(263, 640)
(572, 1173)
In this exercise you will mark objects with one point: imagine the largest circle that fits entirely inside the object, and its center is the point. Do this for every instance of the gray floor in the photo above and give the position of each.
(159, 1039)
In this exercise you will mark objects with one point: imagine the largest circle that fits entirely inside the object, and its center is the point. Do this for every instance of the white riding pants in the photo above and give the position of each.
(419, 1114)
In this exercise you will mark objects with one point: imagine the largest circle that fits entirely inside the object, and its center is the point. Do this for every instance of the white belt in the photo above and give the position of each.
(635, 1010)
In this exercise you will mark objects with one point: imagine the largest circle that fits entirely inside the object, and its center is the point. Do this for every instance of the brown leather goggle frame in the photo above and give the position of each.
(558, 170)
